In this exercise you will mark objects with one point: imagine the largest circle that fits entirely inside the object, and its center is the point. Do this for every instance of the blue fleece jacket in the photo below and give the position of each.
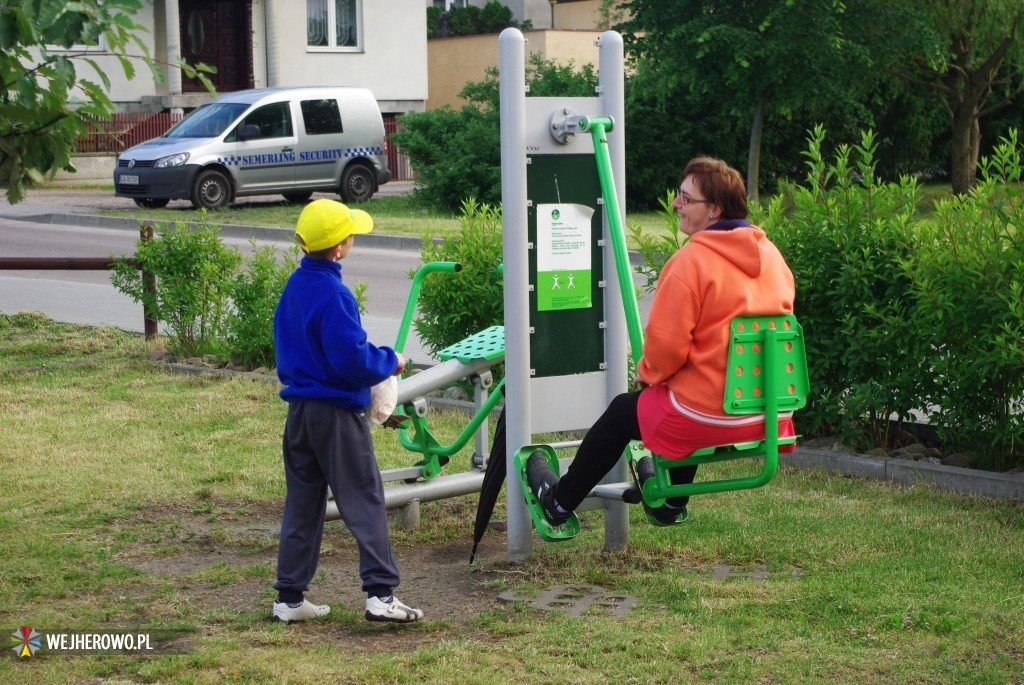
(321, 347)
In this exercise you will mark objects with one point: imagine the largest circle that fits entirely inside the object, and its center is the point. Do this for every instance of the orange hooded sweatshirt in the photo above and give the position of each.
(714, 277)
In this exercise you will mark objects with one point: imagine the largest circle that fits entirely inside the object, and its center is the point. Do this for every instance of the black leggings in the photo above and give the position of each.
(601, 449)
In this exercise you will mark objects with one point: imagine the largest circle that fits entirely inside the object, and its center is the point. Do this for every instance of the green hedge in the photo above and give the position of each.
(907, 315)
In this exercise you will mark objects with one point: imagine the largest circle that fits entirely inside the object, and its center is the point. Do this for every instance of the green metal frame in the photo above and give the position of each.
(415, 436)
(766, 373)
(414, 296)
(414, 433)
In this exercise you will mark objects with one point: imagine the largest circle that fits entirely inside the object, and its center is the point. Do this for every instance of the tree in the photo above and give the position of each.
(39, 119)
(969, 54)
(753, 61)
(457, 153)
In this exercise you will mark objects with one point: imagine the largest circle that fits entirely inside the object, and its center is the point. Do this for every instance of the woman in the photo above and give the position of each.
(728, 268)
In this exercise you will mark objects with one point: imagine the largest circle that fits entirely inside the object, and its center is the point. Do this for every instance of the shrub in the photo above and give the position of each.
(969, 304)
(457, 153)
(655, 250)
(846, 236)
(256, 291)
(454, 306)
(194, 274)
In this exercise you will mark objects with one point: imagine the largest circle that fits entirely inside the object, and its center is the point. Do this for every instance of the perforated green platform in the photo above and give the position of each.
(487, 344)
(545, 529)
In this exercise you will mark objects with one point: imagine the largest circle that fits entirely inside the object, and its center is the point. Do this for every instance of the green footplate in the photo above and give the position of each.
(545, 529)
(487, 344)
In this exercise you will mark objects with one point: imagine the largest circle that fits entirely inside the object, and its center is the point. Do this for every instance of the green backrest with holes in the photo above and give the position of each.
(766, 372)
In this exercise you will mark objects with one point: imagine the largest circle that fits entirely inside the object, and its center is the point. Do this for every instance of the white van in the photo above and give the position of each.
(291, 141)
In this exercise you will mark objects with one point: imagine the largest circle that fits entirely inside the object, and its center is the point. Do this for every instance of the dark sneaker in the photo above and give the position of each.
(667, 515)
(542, 482)
(392, 612)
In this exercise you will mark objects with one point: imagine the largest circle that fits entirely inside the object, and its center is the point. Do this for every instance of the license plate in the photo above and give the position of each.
(128, 180)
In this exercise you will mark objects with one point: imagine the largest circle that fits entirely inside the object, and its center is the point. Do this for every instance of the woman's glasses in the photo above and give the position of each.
(687, 200)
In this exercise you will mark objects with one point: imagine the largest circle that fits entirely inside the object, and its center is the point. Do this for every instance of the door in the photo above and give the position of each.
(320, 148)
(266, 163)
(218, 33)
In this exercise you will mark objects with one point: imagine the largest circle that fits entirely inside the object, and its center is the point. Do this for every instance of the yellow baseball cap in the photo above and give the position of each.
(325, 223)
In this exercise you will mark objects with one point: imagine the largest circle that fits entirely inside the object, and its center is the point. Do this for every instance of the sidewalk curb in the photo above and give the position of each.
(284, 235)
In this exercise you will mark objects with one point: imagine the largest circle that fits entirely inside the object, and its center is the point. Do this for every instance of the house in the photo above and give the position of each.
(542, 14)
(258, 43)
(563, 31)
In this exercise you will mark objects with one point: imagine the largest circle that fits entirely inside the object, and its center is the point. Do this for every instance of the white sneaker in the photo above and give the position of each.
(393, 611)
(303, 612)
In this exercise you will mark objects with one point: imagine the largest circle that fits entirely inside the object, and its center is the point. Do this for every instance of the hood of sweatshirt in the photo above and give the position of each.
(745, 247)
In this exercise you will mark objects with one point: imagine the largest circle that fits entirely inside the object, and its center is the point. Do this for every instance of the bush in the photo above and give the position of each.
(194, 277)
(454, 306)
(846, 237)
(969, 304)
(257, 289)
(655, 250)
(470, 20)
(457, 153)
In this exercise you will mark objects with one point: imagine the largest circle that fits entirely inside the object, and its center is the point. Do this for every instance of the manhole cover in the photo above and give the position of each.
(577, 600)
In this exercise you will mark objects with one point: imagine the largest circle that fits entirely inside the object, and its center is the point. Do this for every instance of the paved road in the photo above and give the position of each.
(86, 297)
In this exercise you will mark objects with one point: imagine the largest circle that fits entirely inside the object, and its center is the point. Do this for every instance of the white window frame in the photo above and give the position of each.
(332, 35)
(100, 46)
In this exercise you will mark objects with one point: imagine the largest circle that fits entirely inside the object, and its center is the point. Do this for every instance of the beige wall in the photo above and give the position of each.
(452, 62)
(577, 15)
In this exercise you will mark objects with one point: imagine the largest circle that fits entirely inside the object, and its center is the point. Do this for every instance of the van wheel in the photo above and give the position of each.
(297, 198)
(211, 190)
(357, 183)
(150, 202)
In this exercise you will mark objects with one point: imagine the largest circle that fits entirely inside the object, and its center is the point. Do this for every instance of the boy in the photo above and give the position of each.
(327, 367)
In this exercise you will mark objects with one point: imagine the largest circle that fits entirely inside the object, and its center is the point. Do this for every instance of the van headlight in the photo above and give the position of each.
(172, 160)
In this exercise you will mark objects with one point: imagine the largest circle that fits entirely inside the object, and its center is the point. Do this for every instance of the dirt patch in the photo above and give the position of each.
(227, 560)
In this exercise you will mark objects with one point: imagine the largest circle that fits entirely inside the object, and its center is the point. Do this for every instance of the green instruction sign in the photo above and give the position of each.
(564, 268)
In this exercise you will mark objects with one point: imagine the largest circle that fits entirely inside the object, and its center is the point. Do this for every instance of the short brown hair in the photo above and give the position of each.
(720, 185)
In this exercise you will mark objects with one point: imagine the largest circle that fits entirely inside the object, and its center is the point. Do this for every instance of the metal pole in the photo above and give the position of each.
(150, 323)
(512, 91)
(442, 487)
(611, 74)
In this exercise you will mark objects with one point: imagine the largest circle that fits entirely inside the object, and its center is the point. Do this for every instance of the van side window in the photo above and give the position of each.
(321, 117)
(275, 121)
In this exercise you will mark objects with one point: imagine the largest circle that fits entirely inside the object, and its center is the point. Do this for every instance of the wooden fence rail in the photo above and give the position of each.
(91, 264)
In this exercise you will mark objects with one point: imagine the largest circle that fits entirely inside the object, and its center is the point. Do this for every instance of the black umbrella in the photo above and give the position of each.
(494, 477)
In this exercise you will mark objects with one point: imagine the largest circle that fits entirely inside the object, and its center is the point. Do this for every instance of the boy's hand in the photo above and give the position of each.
(401, 364)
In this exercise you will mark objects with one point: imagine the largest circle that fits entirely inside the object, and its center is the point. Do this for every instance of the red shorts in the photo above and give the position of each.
(674, 431)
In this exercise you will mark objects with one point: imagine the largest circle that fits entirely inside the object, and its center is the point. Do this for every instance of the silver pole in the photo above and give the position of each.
(441, 487)
(611, 69)
(512, 91)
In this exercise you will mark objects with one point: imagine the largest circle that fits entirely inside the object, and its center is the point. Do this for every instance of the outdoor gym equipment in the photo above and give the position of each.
(548, 198)
(470, 358)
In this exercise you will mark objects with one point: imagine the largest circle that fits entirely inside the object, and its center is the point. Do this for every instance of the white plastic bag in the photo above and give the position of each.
(383, 400)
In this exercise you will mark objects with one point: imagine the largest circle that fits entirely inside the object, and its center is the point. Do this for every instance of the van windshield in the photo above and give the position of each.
(209, 121)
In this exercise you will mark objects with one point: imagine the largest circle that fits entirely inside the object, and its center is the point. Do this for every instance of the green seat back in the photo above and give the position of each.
(766, 372)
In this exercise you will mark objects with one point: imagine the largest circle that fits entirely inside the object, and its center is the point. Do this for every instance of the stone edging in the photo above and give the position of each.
(907, 472)
(375, 240)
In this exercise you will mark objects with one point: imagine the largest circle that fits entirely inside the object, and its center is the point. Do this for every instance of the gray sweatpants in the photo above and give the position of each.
(325, 445)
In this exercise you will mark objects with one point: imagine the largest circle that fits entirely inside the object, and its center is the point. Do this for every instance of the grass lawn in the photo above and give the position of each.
(140, 499)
